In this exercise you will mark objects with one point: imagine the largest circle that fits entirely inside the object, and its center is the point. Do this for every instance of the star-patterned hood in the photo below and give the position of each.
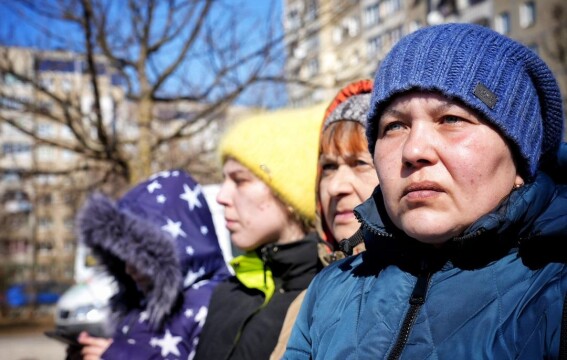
(163, 228)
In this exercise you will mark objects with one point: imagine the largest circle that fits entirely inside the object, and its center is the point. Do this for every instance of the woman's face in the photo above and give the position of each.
(143, 282)
(346, 181)
(440, 166)
(254, 216)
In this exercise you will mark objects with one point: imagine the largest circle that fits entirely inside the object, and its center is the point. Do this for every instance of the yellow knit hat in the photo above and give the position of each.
(281, 148)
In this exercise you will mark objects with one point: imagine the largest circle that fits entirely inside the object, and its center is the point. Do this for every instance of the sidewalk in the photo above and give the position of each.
(27, 342)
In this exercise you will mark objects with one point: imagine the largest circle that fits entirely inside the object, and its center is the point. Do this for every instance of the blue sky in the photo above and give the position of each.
(260, 17)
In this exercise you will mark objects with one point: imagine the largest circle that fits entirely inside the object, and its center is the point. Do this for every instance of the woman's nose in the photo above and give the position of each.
(419, 146)
(341, 182)
(222, 195)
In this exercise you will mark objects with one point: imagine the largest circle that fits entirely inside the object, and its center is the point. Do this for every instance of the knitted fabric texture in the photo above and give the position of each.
(501, 79)
(280, 148)
(351, 104)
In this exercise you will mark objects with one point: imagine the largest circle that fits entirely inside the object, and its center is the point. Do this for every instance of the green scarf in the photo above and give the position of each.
(251, 271)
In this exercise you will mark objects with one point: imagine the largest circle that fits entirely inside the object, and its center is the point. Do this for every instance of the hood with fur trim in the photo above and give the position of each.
(163, 228)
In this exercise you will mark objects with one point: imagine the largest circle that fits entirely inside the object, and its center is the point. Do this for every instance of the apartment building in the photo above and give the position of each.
(37, 244)
(37, 241)
(349, 38)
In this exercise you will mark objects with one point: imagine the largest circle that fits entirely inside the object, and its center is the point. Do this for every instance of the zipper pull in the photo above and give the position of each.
(264, 261)
(420, 290)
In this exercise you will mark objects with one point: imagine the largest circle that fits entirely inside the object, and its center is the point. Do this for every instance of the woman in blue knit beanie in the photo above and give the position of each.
(463, 232)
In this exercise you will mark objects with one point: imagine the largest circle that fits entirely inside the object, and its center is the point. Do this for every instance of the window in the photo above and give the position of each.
(44, 130)
(10, 177)
(373, 46)
(370, 16)
(527, 14)
(66, 85)
(46, 153)
(55, 65)
(68, 155)
(502, 23)
(69, 223)
(11, 80)
(351, 26)
(45, 223)
(293, 19)
(313, 67)
(119, 80)
(46, 83)
(311, 10)
(389, 7)
(69, 198)
(15, 148)
(395, 35)
(337, 35)
(45, 199)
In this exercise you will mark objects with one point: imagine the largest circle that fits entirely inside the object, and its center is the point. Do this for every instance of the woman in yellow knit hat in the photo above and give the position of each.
(268, 194)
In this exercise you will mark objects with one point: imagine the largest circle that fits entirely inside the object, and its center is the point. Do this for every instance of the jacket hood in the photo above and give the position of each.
(163, 228)
(526, 220)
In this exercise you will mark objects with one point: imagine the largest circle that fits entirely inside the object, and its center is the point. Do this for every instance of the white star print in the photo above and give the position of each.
(144, 315)
(153, 186)
(161, 199)
(192, 276)
(189, 250)
(204, 230)
(192, 353)
(188, 313)
(168, 344)
(164, 174)
(201, 316)
(174, 228)
(191, 196)
(199, 284)
(175, 173)
(125, 329)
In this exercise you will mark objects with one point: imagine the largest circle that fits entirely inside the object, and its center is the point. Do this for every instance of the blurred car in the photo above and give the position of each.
(85, 306)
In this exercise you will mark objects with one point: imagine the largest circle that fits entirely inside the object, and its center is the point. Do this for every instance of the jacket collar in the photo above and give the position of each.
(521, 215)
(293, 265)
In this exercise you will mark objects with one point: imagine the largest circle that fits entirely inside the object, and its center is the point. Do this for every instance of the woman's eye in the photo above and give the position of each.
(452, 119)
(392, 126)
(362, 162)
(239, 180)
(328, 166)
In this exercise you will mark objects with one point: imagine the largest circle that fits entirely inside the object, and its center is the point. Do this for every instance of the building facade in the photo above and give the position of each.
(39, 196)
(332, 42)
(37, 207)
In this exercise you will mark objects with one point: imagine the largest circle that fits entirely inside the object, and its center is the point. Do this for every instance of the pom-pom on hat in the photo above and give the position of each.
(280, 148)
(503, 80)
(350, 104)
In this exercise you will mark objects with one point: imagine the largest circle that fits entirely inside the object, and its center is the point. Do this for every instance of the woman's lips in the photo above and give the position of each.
(344, 217)
(422, 190)
(230, 224)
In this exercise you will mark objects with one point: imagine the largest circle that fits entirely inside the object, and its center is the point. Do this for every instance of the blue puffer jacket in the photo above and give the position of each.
(474, 298)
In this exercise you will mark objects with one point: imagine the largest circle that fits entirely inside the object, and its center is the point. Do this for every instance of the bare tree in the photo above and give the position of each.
(146, 60)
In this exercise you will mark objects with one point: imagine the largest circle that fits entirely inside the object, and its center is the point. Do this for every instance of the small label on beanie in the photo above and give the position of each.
(485, 95)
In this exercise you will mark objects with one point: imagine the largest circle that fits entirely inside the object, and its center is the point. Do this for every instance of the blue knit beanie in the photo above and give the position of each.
(503, 80)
